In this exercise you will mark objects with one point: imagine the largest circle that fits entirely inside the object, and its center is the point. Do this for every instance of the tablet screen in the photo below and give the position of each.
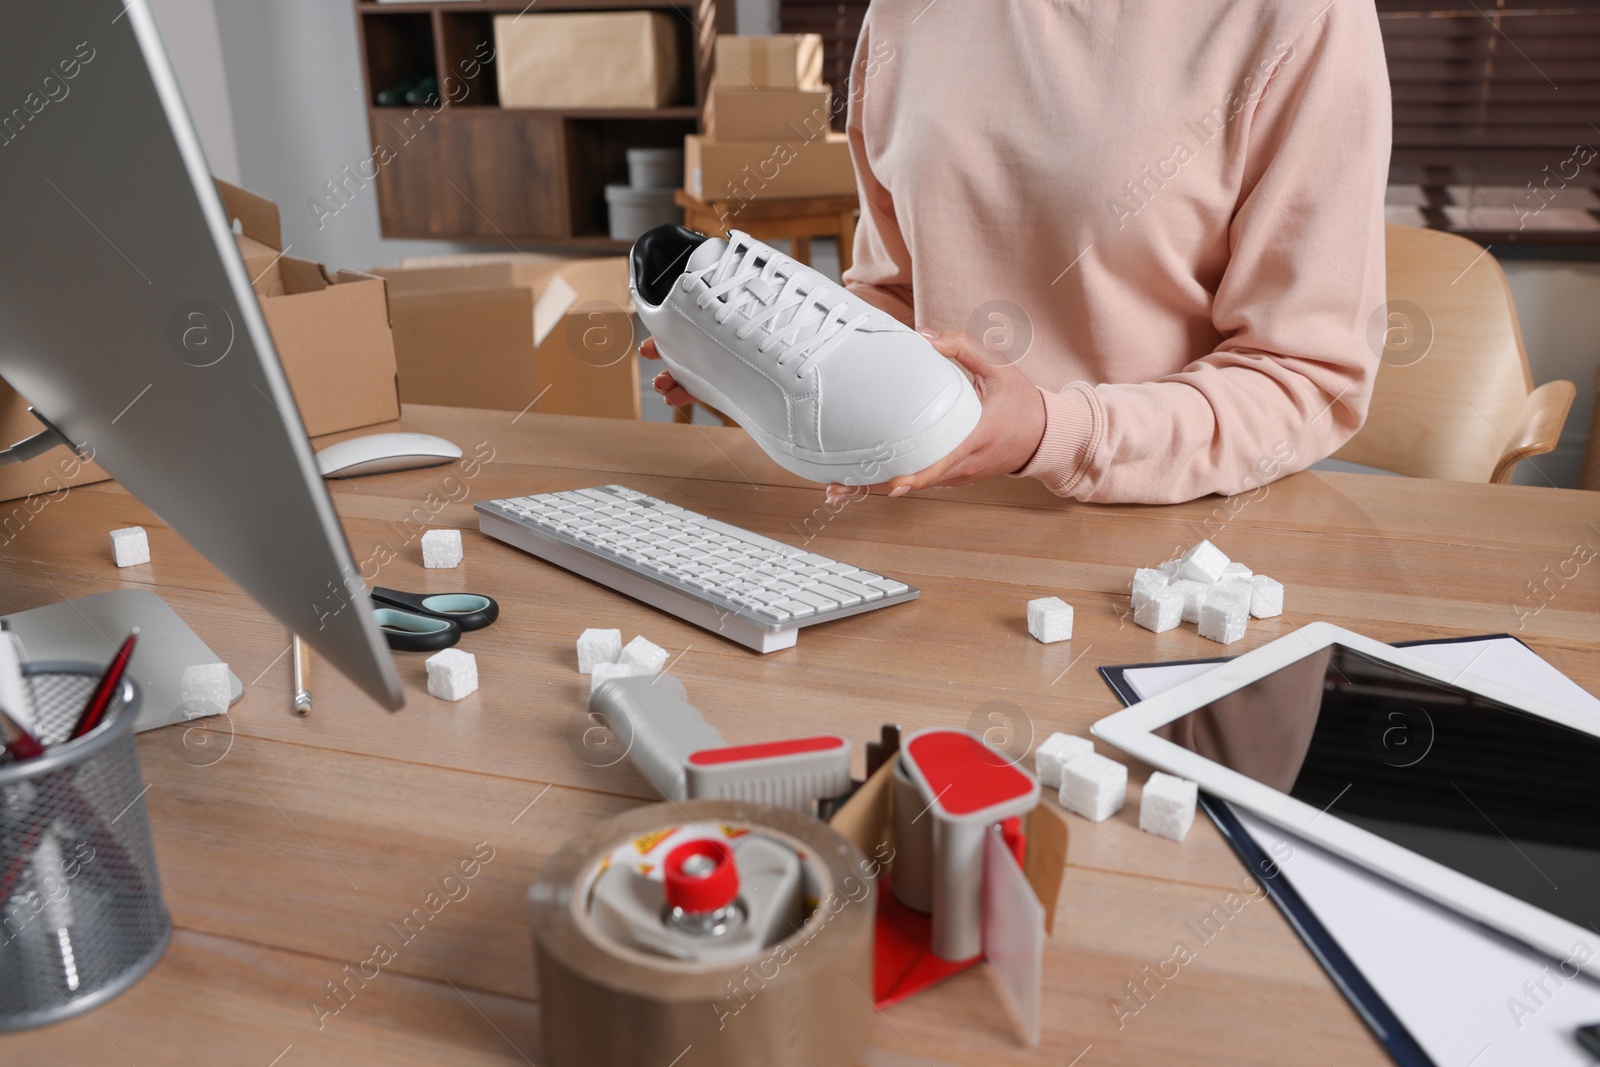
(1496, 793)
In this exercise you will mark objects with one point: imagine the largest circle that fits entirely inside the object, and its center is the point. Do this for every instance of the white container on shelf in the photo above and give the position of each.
(633, 211)
(655, 168)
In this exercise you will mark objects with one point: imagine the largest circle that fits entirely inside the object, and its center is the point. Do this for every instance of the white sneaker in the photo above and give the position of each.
(833, 389)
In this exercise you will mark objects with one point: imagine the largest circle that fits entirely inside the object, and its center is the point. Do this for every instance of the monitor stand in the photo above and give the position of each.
(39, 443)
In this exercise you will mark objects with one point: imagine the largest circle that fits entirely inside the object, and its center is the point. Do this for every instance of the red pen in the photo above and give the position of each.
(100, 700)
(19, 742)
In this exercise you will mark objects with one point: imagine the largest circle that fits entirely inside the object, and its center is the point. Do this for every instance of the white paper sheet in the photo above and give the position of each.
(1468, 995)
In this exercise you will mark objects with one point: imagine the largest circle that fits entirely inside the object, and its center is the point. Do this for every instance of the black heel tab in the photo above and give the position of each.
(658, 258)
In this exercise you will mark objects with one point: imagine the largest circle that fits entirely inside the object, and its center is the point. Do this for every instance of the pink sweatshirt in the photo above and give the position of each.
(1169, 215)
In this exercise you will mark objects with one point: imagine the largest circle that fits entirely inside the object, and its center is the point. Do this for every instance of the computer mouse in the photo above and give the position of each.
(381, 452)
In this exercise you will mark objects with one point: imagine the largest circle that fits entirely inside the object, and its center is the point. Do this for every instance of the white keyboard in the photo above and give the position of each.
(740, 585)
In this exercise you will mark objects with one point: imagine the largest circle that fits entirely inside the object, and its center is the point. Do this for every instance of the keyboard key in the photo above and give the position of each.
(816, 600)
(799, 609)
(856, 589)
(845, 597)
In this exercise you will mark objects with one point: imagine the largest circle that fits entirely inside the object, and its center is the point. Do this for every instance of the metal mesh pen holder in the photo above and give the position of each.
(81, 917)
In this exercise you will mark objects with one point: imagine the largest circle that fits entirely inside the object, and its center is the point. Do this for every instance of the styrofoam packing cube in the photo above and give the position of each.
(1169, 569)
(130, 546)
(1223, 619)
(1203, 563)
(604, 672)
(643, 655)
(1194, 595)
(1266, 598)
(1160, 611)
(1235, 570)
(207, 687)
(1050, 619)
(1056, 752)
(1094, 787)
(452, 674)
(1236, 588)
(1148, 579)
(441, 549)
(598, 646)
(1166, 806)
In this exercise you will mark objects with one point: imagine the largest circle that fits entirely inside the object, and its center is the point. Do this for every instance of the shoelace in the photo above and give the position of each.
(798, 324)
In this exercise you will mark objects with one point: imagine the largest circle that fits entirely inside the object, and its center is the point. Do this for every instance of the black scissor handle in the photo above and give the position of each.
(408, 631)
(470, 611)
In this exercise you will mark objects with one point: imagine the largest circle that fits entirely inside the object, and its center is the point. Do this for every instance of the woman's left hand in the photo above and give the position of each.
(1006, 437)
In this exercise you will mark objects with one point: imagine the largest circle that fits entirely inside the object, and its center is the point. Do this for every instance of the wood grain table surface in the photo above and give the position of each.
(289, 846)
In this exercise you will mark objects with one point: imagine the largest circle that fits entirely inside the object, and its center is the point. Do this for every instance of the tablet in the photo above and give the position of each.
(1477, 796)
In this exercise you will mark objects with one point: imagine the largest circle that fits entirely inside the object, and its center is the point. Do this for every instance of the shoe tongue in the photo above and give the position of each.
(709, 252)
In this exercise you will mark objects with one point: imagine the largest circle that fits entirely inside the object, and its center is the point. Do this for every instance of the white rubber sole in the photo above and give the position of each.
(867, 466)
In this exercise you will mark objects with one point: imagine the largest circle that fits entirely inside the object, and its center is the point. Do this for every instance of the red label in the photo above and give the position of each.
(711, 757)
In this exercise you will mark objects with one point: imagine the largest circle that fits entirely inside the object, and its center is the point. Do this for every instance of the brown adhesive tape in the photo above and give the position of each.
(805, 1001)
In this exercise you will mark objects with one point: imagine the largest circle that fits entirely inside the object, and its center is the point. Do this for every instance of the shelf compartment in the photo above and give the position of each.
(466, 43)
(399, 46)
(597, 156)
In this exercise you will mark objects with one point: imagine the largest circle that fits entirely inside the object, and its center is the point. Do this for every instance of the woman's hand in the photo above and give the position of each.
(664, 383)
(1006, 437)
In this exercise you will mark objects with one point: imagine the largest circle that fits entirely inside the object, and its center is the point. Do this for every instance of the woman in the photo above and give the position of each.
(1165, 220)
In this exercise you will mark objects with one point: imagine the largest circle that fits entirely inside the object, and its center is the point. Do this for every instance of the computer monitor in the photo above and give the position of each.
(128, 322)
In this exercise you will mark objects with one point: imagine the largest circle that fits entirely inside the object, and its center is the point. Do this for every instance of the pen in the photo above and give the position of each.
(106, 689)
(302, 678)
(18, 741)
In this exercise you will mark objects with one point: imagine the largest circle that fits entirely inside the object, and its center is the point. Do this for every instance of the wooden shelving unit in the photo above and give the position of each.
(470, 170)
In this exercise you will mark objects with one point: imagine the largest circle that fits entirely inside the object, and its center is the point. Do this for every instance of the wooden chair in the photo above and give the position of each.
(1454, 397)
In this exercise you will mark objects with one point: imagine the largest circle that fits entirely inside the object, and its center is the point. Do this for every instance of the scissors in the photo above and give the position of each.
(427, 622)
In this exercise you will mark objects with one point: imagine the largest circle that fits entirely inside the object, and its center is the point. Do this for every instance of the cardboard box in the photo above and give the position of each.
(759, 114)
(784, 61)
(331, 331)
(503, 331)
(767, 169)
(40, 480)
(621, 59)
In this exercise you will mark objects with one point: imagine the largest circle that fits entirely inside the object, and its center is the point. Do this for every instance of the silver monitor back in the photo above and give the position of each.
(128, 322)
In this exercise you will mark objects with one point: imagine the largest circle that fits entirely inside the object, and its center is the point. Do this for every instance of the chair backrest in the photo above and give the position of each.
(1589, 475)
(1450, 392)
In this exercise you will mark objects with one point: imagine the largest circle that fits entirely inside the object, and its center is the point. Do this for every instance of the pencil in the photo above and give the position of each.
(302, 677)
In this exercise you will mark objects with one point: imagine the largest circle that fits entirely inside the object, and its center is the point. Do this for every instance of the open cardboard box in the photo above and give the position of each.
(331, 330)
(332, 336)
(902, 966)
(510, 331)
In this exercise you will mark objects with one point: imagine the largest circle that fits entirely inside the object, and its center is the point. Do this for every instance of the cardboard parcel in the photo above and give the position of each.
(331, 330)
(516, 332)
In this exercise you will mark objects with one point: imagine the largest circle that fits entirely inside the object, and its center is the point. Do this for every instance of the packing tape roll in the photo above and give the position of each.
(805, 1001)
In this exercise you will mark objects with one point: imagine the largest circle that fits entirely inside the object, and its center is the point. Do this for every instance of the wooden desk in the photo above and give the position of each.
(287, 846)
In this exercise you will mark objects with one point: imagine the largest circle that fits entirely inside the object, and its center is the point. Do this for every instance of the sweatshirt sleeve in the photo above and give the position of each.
(1290, 381)
(881, 271)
